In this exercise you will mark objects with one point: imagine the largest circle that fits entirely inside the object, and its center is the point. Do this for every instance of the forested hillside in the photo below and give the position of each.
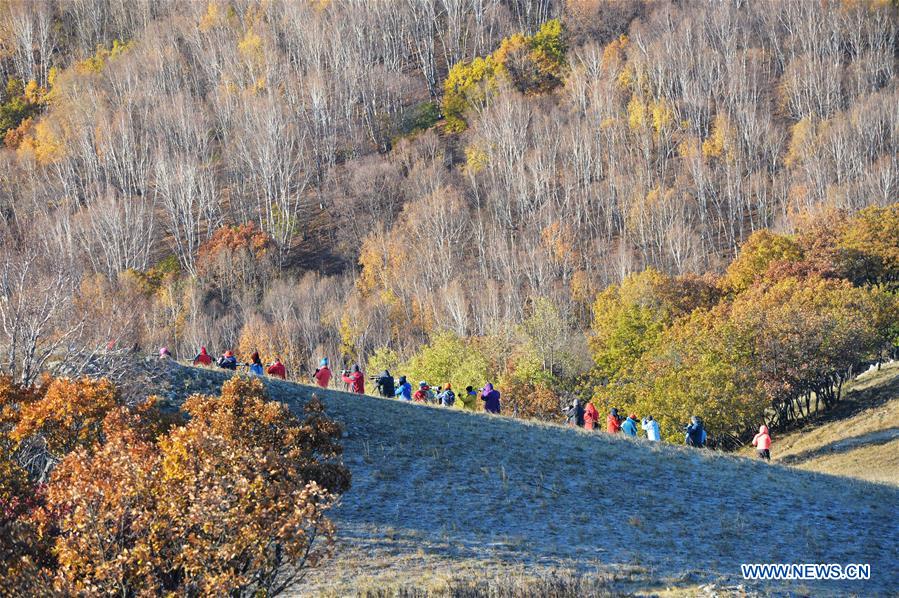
(446, 186)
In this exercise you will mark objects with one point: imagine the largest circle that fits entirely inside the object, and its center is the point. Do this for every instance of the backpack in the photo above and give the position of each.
(448, 398)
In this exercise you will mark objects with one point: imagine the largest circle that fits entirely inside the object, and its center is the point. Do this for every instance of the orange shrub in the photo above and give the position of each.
(69, 414)
(232, 501)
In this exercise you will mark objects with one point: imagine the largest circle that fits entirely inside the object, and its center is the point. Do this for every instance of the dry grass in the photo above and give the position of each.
(859, 439)
(443, 498)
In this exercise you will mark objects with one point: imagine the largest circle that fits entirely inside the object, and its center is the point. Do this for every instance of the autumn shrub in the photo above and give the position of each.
(23, 552)
(528, 389)
(530, 400)
(234, 499)
(68, 415)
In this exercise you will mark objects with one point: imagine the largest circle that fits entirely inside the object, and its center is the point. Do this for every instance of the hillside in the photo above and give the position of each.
(859, 438)
(442, 494)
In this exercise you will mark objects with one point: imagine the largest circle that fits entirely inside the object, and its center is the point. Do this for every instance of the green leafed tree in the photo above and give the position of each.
(449, 358)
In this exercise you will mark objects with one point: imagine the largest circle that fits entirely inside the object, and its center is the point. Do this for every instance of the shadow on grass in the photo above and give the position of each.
(844, 445)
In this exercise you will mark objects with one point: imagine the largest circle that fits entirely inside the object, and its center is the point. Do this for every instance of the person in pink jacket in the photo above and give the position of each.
(762, 442)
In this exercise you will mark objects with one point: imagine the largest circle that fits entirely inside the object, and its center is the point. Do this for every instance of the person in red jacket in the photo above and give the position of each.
(277, 369)
(613, 422)
(423, 394)
(356, 380)
(591, 416)
(762, 442)
(203, 358)
(323, 374)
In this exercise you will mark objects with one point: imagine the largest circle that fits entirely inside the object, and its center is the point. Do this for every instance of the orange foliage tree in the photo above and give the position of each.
(235, 499)
(237, 258)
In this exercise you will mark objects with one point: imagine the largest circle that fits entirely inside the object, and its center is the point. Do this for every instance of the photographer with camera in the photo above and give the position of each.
(629, 426)
(404, 390)
(651, 427)
(695, 433)
(424, 394)
(322, 375)
(574, 415)
(255, 365)
(469, 399)
(384, 384)
(355, 379)
(613, 421)
(591, 416)
(491, 398)
(277, 369)
(227, 361)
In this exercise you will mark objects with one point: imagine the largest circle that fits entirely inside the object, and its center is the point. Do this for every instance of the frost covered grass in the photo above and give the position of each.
(447, 497)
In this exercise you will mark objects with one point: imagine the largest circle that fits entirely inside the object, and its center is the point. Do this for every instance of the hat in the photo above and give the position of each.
(324, 362)
(633, 416)
(422, 384)
(448, 386)
(229, 354)
(164, 351)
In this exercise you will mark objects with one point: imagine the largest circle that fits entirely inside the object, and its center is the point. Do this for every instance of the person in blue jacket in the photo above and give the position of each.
(629, 426)
(404, 390)
(256, 365)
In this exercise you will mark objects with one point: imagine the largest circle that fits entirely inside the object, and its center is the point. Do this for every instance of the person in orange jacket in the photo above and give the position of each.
(203, 358)
(613, 422)
(356, 380)
(591, 416)
(762, 442)
(277, 369)
(323, 374)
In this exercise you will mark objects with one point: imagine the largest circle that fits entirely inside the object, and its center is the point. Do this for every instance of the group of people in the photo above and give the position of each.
(228, 361)
(585, 416)
(695, 434)
(441, 395)
(389, 387)
(588, 418)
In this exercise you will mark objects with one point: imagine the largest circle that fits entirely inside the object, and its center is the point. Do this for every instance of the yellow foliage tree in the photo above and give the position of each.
(722, 141)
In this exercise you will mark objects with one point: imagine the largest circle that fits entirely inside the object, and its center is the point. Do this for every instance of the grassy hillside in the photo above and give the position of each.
(442, 494)
(860, 438)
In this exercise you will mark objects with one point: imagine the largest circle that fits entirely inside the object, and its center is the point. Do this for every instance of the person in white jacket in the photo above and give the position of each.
(651, 427)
